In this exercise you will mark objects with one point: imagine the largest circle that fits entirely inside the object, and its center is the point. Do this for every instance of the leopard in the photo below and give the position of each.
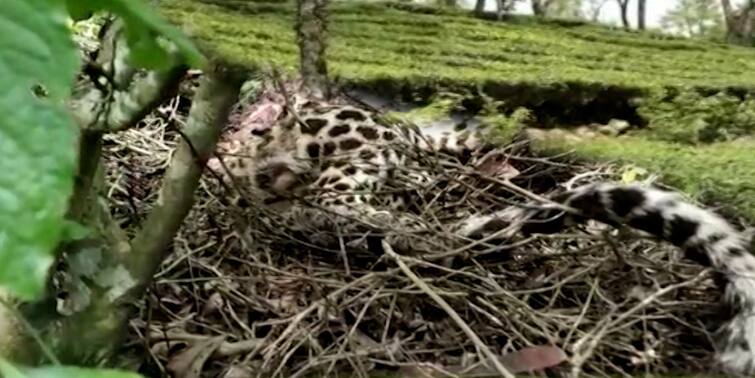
(326, 164)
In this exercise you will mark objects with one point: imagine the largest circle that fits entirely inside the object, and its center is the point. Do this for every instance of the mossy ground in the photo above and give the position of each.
(574, 72)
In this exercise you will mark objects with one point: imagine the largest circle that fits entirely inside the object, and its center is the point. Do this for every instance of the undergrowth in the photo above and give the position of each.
(694, 117)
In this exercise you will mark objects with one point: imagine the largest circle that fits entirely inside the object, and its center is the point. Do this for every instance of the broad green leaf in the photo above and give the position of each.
(80, 9)
(75, 372)
(137, 14)
(145, 51)
(38, 63)
(10, 371)
(143, 25)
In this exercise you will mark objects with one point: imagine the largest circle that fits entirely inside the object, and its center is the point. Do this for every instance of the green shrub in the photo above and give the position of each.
(688, 116)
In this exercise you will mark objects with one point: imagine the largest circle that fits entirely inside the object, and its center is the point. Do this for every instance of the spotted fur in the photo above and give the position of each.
(342, 149)
(350, 151)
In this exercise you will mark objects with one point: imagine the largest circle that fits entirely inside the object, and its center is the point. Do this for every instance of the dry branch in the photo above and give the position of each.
(492, 358)
(216, 95)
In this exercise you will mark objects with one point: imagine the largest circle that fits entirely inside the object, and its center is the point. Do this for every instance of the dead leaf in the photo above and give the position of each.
(238, 371)
(188, 364)
(213, 304)
(527, 360)
(495, 164)
(261, 119)
(534, 358)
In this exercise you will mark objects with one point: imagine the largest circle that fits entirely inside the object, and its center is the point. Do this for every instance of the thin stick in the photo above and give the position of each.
(449, 310)
(593, 339)
(271, 349)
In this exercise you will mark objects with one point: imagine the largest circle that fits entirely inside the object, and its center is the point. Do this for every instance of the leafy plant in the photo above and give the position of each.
(440, 106)
(39, 138)
(505, 127)
(691, 117)
(144, 28)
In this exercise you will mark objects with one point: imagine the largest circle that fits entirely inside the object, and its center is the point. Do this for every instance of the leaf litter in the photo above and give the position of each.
(242, 296)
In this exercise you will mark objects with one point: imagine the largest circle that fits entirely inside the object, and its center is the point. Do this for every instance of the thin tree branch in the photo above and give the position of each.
(209, 111)
(493, 359)
(117, 96)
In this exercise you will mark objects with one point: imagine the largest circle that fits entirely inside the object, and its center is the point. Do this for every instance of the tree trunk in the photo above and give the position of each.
(623, 7)
(728, 15)
(641, 14)
(311, 29)
(595, 7)
(479, 6)
(500, 9)
(740, 23)
(538, 8)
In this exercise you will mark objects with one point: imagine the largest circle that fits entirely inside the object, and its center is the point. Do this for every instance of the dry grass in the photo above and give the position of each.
(255, 299)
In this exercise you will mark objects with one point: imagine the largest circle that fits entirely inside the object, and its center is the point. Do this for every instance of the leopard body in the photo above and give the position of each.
(326, 162)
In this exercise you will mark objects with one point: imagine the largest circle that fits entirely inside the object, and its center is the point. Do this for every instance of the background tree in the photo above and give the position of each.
(593, 9)
(566, 9)
(500, 8)
(740, 23)
(311, 29)
(479, 6)
(624, 9)
(641, 13)
(557, 8)
(540, 7)
(695, 18)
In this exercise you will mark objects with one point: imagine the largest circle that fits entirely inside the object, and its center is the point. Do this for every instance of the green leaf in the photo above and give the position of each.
(73, 231)
(138, 15)
(145, 51)
(143, 26)
(80, 9)
(75, 372)
(8, 370)
(38, 63)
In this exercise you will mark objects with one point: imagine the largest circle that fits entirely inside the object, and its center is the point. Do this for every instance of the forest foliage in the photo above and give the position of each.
(39, 138)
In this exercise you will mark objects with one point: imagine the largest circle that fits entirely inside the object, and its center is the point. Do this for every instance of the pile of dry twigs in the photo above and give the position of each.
(242, 297)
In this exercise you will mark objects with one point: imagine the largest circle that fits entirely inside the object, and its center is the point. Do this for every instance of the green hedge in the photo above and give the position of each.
(381, 41)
